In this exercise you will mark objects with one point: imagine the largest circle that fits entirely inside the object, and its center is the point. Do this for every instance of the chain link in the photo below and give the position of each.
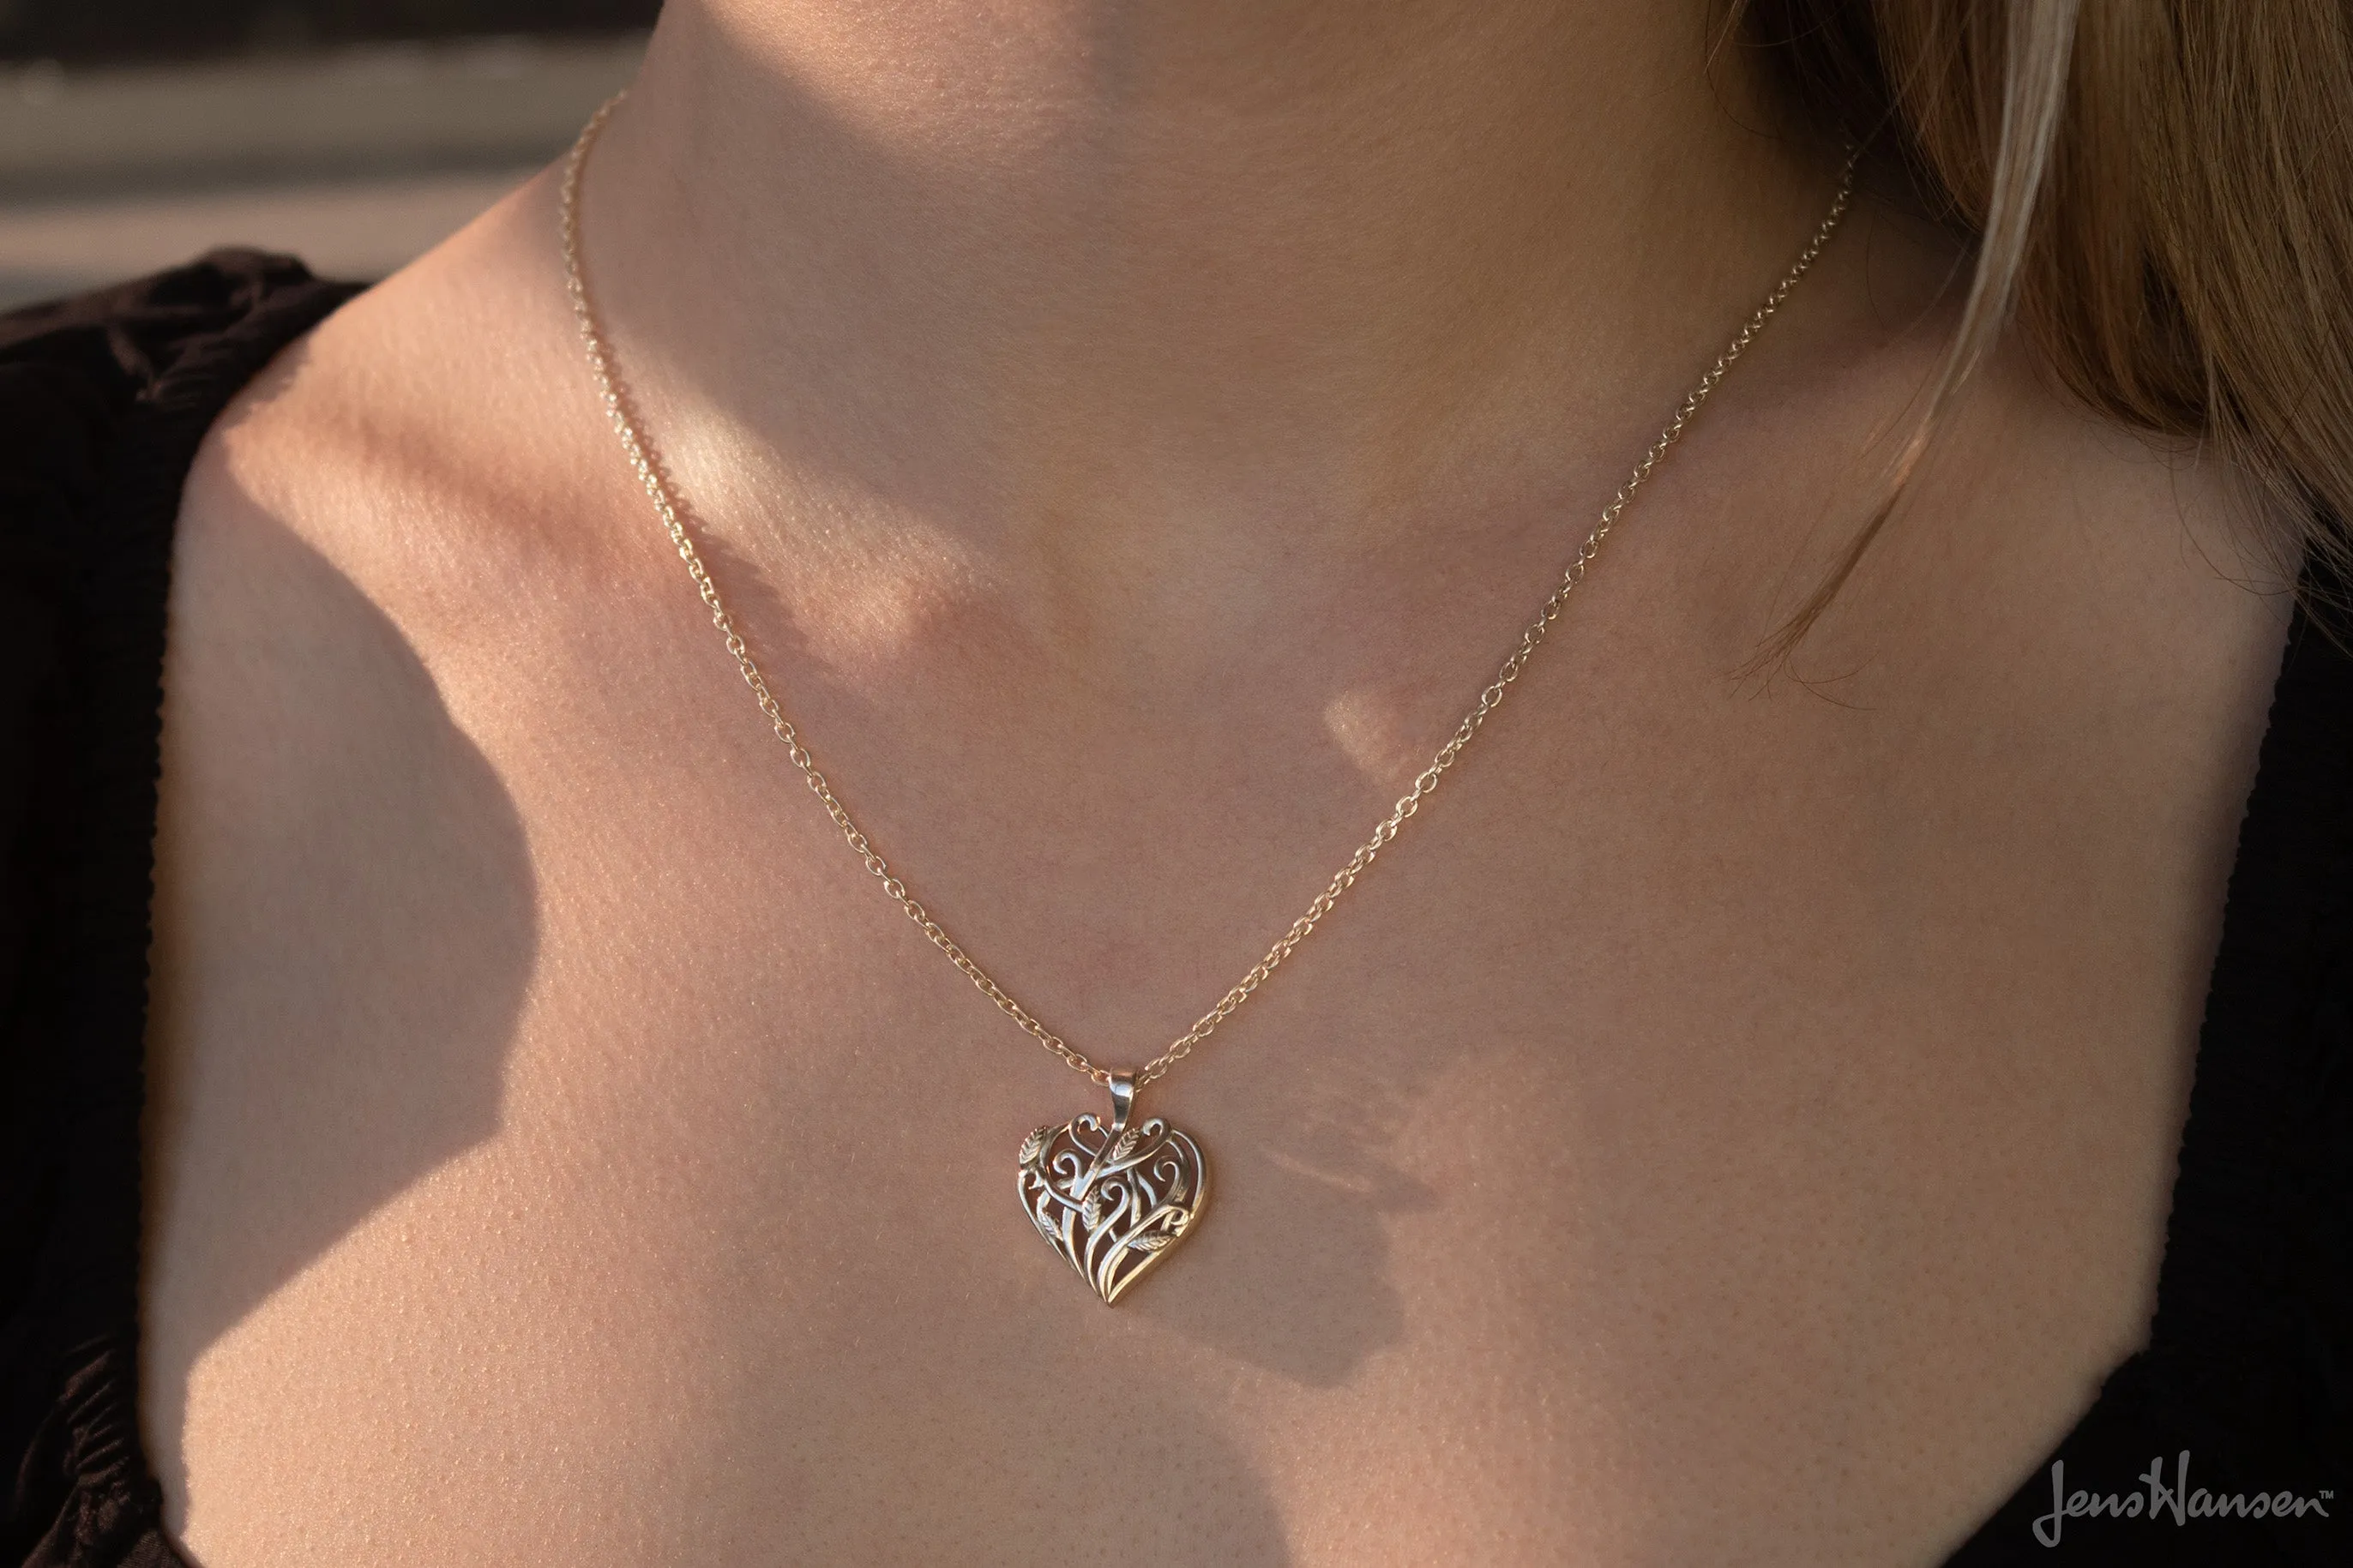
(658, 488)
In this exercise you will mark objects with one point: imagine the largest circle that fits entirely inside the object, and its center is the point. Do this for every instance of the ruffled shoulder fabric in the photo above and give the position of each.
(104, 401)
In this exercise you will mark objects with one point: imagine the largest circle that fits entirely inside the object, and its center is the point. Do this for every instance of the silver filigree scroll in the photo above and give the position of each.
(1112, 1200)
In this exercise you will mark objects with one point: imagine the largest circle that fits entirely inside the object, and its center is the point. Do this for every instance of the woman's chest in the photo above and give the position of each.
(1720, 1138)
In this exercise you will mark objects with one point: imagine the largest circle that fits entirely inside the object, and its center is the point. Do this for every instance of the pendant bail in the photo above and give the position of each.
(1122, 1100)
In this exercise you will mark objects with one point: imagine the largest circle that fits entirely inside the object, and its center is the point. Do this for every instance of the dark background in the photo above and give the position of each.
(91, 32)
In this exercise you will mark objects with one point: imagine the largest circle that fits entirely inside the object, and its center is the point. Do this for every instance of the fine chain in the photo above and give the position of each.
(658, 488)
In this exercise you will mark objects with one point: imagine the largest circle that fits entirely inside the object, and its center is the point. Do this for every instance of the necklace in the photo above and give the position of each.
(1111, 1197)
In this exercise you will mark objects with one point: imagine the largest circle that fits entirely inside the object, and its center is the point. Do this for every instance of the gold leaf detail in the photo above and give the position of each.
(1119, 1202)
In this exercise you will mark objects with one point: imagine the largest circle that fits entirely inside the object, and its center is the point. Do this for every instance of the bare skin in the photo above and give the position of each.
(1733, 1125)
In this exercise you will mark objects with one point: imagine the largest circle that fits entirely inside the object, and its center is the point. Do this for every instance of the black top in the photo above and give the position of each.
(104, 401)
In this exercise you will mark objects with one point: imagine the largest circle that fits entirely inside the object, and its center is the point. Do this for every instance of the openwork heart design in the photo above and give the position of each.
(1114, 1200)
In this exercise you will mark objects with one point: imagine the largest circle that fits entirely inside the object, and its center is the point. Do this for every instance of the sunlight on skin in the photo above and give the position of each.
(1367, 724)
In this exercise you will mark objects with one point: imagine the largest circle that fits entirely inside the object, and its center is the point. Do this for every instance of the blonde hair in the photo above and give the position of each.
(2162, 195)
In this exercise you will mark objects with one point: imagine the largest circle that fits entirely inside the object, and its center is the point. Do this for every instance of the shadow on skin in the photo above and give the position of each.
(1317, 1195)
(345, 927)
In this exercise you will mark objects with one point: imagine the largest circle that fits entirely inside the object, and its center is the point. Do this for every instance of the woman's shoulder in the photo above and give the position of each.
(426, 440)
(105, 396)
(104, 399)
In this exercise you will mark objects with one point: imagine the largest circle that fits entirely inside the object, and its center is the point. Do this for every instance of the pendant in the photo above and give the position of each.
(1113, 1201)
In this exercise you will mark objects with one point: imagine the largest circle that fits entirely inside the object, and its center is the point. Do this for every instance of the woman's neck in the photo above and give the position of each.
(1106, 281)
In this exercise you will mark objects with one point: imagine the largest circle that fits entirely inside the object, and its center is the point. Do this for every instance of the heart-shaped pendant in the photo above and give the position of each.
(1112, 1200)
